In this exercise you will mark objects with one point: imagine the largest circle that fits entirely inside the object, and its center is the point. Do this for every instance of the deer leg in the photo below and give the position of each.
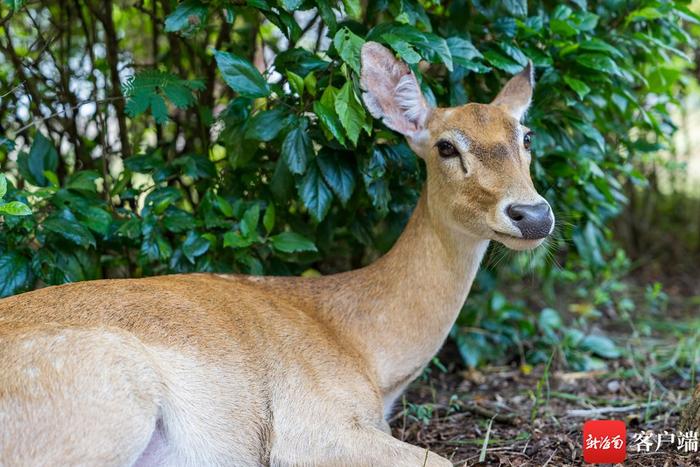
(385, 427)
(359, 447)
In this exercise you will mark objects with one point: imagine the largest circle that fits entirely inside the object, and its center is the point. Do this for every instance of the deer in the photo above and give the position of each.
(235, 370)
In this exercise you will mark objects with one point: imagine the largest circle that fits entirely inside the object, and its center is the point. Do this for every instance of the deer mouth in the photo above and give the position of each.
(507, 235)
(516, 243)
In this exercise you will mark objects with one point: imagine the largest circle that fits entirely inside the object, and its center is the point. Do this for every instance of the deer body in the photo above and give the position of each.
(232, 370)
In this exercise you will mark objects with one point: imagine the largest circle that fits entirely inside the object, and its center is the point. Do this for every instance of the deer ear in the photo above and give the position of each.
(516, 95)
(391, 91)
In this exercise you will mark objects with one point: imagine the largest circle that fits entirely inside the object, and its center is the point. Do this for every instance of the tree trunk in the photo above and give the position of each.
(690, 420)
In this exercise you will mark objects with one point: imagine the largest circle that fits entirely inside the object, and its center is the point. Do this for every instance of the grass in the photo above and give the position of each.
(485, 444)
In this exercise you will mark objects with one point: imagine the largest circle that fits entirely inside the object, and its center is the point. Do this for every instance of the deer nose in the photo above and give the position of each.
(533, 220)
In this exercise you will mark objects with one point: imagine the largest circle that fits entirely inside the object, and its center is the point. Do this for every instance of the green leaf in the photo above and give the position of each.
(297, 148)
(155, 247)
(644, 14)
(292, 5)
(180, 93)
(189, 16)
(501, 62)
(349, 46)
(310, 83)
(314, 193)
(516, 7)
(224, 206)
(15, 208)
(194, 246)
(435, 47)
(327, 14)
(241, 75)
(177, 220)
(64, 224)
(579, 87)
(338, 174)
(498, 301)
(158, 109)
(601, 346)
(42, 157)
(229, 14)
(249, 223)
(300, 61)
(378, 191)
(291, 242)
(130, 229)
(161, 198)
(15, 4)
(562, 12)
(235, 240)
(286, 23)
(598, 62)
(562, 27)
(56, 265)
(412, 12)
(88, 210)
(149, 88)
(375, 166)
(405, 50)
(52, 178)
(549, 319)
(686, 14)
(377, 187)
(353, 8)
(586, 21)
(3, 186)
(350, 111)
(145, 163)
(462, 50)
(282, 182)
(195, 166)
(269, 218)
(296, 82)
(598, 45)
(514, 53)
(431, 47)
(16, 273)
(325, 111)
(266, 125)
(83, 181)
(505, 26)
(6, 144)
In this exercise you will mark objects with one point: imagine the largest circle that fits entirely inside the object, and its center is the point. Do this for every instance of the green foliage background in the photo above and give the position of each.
(153, 137)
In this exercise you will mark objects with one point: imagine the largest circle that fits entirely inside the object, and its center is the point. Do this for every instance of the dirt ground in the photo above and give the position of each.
(531, 432)
(536, 419)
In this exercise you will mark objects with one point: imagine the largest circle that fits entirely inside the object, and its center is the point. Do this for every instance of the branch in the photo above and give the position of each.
(78, 105)
(112, 46)
(90, 38)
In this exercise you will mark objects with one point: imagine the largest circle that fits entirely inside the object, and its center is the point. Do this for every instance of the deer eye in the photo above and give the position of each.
(446, 149)
(527, 139)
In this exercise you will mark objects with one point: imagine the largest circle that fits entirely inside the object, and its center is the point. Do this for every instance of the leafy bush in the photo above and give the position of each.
(230, 136)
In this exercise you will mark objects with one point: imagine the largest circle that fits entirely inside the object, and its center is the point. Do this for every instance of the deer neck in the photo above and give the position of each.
(399, 310)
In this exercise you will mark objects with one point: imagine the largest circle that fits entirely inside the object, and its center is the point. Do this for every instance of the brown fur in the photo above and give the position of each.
(207, 369)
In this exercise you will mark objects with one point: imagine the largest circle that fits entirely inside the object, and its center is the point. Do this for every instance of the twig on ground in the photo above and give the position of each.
(603, 410)
(474, 409)
(551, 457)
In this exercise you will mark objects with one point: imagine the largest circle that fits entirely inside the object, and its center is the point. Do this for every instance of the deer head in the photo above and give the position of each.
(477, 155)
